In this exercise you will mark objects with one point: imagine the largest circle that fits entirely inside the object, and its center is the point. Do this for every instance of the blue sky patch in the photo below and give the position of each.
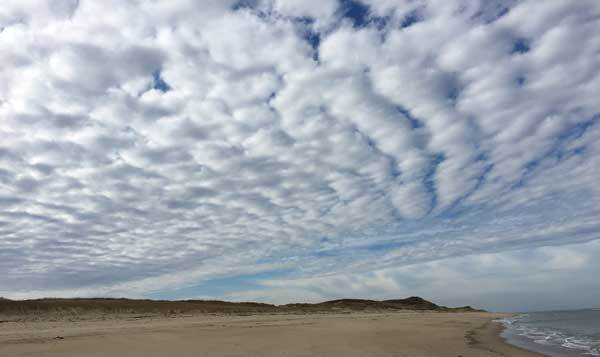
(520, 45)
(159, 83)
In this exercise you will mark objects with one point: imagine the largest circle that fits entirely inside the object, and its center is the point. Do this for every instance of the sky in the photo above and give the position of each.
(302, 150)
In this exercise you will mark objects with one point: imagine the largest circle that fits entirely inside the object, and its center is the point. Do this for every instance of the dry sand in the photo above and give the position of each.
(413, 334)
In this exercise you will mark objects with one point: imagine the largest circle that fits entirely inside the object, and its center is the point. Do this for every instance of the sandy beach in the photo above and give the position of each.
(411, 334)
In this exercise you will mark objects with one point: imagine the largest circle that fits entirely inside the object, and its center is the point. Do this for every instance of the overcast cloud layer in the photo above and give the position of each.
(149, 148)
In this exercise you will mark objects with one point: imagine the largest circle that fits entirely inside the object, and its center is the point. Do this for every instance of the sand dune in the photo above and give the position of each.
(413, 334)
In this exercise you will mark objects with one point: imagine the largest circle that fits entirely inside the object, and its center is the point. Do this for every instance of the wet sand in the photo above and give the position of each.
(413, 334)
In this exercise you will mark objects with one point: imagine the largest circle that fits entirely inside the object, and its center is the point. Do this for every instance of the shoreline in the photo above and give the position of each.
(489, 337)
(514, 339)
(414, 334)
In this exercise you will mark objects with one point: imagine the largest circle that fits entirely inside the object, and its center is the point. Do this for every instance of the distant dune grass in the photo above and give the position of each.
(78, 307)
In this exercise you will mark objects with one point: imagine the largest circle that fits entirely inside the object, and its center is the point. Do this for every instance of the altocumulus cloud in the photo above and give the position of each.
(149, 147)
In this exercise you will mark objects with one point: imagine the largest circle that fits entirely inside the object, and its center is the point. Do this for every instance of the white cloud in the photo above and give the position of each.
(319, 9)
(164, 137)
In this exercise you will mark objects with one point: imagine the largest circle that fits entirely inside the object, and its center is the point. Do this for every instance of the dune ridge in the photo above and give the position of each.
(82, 307)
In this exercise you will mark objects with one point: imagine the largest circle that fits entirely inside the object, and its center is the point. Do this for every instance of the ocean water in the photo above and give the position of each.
(556, 333)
